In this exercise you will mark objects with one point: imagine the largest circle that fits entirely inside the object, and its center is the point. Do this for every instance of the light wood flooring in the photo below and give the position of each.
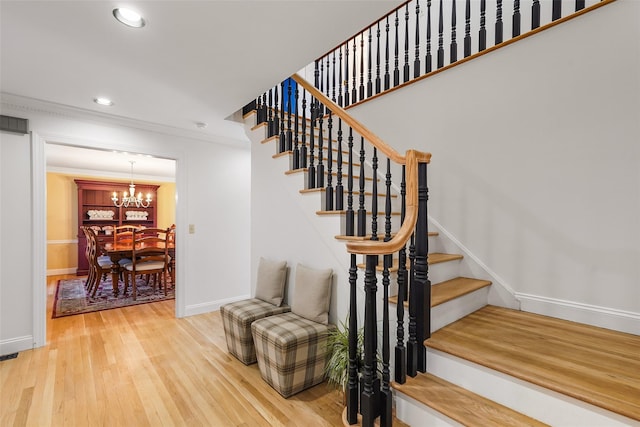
(140, 366)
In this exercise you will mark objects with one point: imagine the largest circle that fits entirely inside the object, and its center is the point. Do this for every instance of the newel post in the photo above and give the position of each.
(422, 282)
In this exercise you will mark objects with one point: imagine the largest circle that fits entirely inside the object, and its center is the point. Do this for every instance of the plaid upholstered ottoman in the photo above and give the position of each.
(292, 351)
(237, 318)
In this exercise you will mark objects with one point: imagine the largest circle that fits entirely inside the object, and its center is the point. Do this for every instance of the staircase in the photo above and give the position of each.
(482, 370)
(486, 365)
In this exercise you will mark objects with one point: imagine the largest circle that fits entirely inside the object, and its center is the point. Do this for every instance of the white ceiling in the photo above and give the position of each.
(194, 61)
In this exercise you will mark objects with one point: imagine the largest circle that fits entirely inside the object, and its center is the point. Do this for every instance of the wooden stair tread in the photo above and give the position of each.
(462, 405)
(368, 237)
(324, 189)
(304, 170)
(450, 289)
(595, 365)
(432, 258)
(343, 212)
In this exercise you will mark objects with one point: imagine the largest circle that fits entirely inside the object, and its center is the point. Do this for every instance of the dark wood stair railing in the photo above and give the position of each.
(505, 12)
(368, 391)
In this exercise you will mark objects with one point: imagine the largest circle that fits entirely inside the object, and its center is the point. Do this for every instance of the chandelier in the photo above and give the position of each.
(131, 199)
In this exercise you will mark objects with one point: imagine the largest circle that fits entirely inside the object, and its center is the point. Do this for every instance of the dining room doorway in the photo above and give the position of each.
(65, 164)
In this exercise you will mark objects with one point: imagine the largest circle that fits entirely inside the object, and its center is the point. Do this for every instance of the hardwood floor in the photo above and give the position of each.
(140, 366)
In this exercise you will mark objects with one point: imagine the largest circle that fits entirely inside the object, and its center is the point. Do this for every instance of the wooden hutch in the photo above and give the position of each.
(95, 196)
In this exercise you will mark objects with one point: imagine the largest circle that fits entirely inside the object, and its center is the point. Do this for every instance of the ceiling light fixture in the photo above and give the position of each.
(103, 101)
(131, 198)
(129, 17)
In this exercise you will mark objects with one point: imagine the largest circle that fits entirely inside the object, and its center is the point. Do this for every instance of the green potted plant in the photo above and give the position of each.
(337, 369)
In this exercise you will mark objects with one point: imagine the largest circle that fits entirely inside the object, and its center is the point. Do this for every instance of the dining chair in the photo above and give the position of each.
(123, 234)
(150, 256)
(99, 265)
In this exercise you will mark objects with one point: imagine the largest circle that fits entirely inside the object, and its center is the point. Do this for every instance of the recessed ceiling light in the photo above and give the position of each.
(103, 101)
(129, 17)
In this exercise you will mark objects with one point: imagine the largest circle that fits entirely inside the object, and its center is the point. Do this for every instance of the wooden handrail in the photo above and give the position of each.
(385, 148)
(411, 160)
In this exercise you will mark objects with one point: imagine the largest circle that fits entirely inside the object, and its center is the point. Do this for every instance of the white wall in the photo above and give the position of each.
(213, 185)
(16, 322)
(536, 162)
(284, 226)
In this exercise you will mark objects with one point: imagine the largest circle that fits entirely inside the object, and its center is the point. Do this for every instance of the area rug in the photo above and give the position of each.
(71, 296)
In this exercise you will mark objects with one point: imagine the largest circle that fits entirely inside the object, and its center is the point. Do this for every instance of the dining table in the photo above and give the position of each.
(119, 251)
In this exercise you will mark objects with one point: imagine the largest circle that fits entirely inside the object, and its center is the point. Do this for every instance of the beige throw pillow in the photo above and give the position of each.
(270, 282)
(312, 294)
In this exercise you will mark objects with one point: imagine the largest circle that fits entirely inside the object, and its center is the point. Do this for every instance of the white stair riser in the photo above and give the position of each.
(444, 271)
(450, 311)
(416, 414)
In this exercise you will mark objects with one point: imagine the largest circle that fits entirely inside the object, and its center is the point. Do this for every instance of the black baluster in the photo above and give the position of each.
(406, 43)
(362, 66)
(401, 351)
(362, 213)
(385, 392)
(374, 196)
(296, 148)
(259, 110)
(264, 107)
(311, 172)
(387, 77)
(320, 79)
(440, 38)
(368, 396)
(354, 90)
(270, 115)
(275, 123)
(349, 228)
(276, 113)
(283, 138)
(579, 5)
(416, 61)
(467, 29)
(422, 283)
(353, 382)
(339, 187)
(556, 10)
(535, 14)
(412, 341)
(333, 76)
(346, 74)
(453, 48)
(340, 99)
(303, 148)
(516, 19)
(320, 165)
(329, 189)
(378, 81)
(289, 135)
(396, 70)
(482, 34)
(499, 37)
(428, 59)
(387, 203)
(369, 70)
(328, 87)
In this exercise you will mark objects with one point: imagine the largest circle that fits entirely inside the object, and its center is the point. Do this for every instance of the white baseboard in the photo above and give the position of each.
(603, 317)
(15, 345)
(207, 307)
(60, 271)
